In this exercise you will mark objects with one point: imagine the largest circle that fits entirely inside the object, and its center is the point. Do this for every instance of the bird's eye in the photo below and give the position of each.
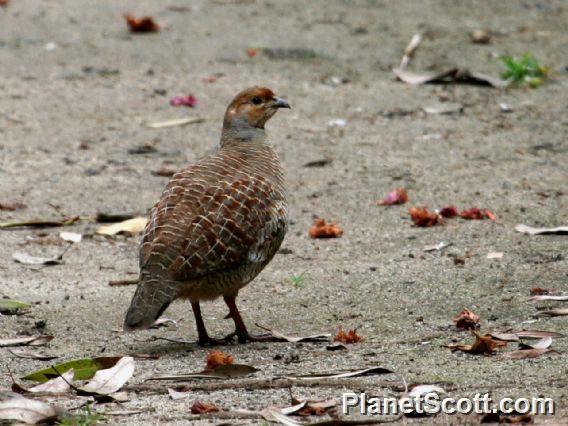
(256, 100)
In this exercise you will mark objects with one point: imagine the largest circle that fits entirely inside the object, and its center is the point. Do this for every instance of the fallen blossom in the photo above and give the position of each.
(252, 51)
(538, 291)
(348, 338)
(188, 101)
(448, 211)
(482, 345)
(217, 358)
(467, 320)
(474, 213)
(320, 229)
(145, 24)
(396, 196)
(199, 407)
(422, 217)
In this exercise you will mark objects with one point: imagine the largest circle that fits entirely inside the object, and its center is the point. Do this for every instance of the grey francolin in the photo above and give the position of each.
(218, 222)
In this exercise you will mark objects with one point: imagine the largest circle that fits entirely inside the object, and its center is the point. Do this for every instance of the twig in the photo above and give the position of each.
(277, 383)
(123, 282)
(410, 49)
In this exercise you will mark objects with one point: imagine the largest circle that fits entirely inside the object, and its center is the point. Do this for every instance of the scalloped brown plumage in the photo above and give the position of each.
(218, 222)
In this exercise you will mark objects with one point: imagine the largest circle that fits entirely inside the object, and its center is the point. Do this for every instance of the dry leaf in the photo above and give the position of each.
(175, 122)
(313, 408)
(252, 51)
(543, 343)
(199, 407)
(26, 341)
(436, 247)
(164, 172)
(31, 354)
(448, 212)
(553, 313)
(110, 380)
(297, 339)
(164, 322)
(40, 223)
(319, 163)
(28, 259)
(145, 24)
(420, 390)
(320, 229)
(353, 373)
(396, 196)
(482, 345)
(560, 230)
(536, 334)
(57, 385)
(217, 358)
(424, 218)
(72, 237)
(507, 337)
(18, 408)
(188, 101)
(348, 338)
(130, 226)
(467, 320)
(175, 395)
(557, 297)
(450, 76)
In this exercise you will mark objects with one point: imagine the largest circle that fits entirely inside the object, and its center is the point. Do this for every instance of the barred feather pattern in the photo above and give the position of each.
(216, 226)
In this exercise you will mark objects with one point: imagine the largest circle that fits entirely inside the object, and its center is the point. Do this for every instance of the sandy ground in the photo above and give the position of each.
(65, 136)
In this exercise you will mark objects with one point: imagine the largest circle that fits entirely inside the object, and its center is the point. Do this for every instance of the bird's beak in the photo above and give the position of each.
(280, 103)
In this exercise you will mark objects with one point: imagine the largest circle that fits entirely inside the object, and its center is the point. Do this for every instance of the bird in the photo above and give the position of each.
(217, 224)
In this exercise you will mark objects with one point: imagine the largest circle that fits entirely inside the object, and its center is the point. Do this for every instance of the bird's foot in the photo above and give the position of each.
(212, 341)
(265, 337)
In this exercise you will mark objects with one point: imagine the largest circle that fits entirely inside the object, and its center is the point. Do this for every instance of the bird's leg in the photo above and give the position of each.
(241, 330)
(203, 338)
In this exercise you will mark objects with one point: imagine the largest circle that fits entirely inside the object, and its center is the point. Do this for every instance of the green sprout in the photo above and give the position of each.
(523, 70)
(298, 280)
(84, 417)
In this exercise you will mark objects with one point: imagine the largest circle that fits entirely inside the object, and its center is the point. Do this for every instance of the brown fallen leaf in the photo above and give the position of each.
(11, 206)
(199, 407)
(40, 223)
(482, 345)
(422, 217)
(538, 291)
(145, 24)
(314, 408)
(26, 341)
(116, 283)
(560, 230)
(164, 172)
(467, 320)
(396, 196)
(543, 343)
(217, 358)
(321, 229)
(131, 227)
(348, 338)
(553, 313)
(31, 354)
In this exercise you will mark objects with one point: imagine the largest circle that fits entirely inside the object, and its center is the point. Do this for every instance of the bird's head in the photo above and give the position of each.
(251, 109)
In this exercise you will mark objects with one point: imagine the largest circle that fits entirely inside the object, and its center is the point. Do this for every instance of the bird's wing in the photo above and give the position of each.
(202, 225)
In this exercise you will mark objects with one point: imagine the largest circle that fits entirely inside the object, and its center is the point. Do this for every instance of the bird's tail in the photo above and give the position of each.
(151, 299)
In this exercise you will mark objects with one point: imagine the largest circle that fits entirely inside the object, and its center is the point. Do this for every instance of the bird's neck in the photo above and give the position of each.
(237, 131)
